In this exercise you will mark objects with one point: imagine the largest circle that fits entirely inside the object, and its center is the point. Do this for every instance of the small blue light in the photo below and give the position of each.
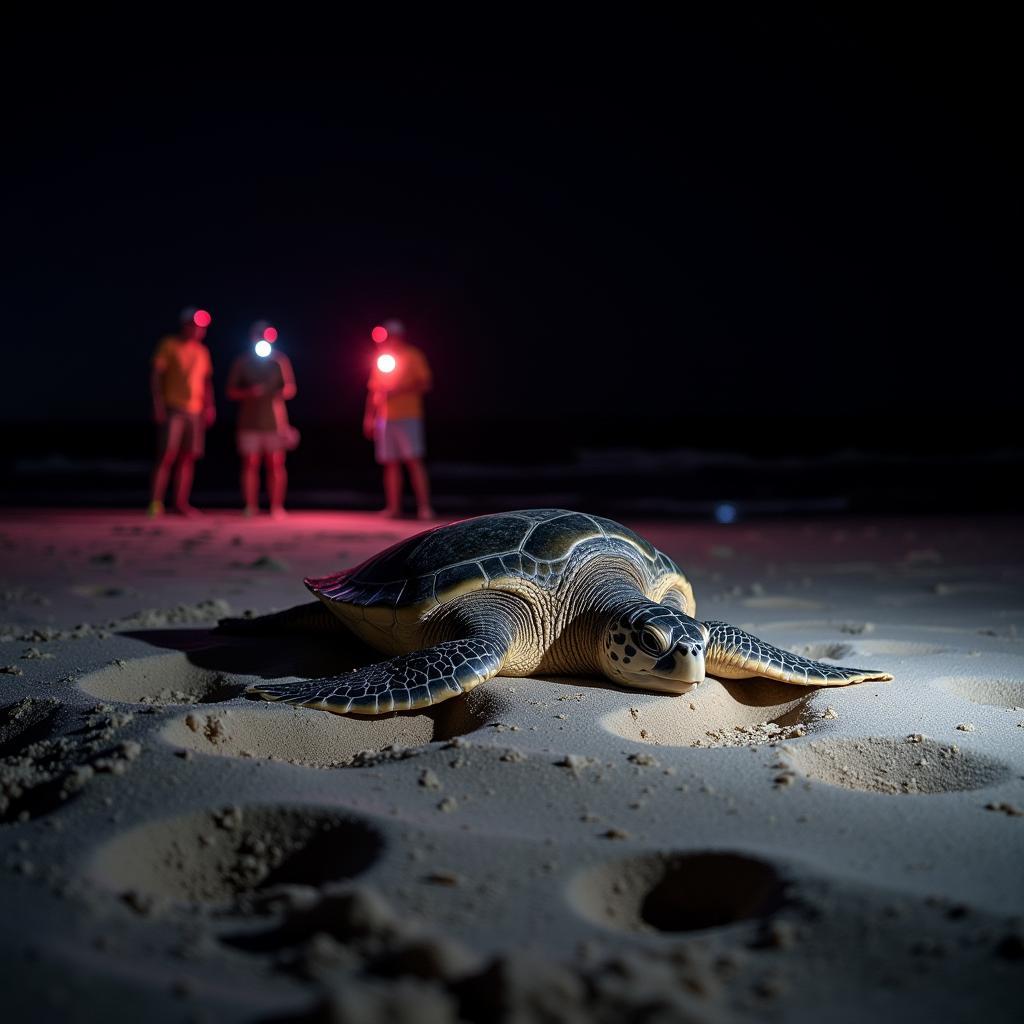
(725, 513)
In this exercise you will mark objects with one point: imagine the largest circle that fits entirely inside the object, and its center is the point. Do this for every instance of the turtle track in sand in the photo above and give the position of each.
(231, 858)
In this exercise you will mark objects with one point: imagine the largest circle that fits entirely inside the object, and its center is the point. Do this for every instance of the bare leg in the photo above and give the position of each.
(277, 482)
(420, 487)
(392, 488)
(161, 475)
(183, 488)
(251, 483)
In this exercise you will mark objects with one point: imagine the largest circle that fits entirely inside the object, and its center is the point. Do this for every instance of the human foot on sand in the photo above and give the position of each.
(540, 590)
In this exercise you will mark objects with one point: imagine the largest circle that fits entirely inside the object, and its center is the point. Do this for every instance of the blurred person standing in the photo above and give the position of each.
(181, 384)
(261, 381)
(393, 419)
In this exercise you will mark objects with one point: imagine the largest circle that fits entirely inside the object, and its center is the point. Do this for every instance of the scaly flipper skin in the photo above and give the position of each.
(732, 653)
(411, 681)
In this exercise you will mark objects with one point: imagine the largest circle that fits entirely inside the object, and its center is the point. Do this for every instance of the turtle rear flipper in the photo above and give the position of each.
(411, 681)
(732, 653)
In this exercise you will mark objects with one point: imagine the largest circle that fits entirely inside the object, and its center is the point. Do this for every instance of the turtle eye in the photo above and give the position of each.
(653, 641)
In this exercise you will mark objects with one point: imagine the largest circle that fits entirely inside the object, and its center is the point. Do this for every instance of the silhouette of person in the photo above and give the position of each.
(261, 381)
(181, 384)
(394, 417)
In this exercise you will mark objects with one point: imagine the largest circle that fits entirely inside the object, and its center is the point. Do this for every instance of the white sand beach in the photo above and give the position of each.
(537, 850)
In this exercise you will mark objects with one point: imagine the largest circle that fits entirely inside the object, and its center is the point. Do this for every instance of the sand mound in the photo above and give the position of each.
(894, 765)
(1000, 693)
(677, 892)
(224, 858)
(716, 714)
(308, 737)
(162, 679)
(25, 722)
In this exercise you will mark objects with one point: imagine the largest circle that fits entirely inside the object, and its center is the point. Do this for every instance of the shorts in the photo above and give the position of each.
(398, 440)
(261, 442)
(183, 433)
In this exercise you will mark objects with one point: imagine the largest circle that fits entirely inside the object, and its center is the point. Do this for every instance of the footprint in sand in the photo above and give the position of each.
(685, 892)
(776, 601)
(254, 728)
(891, 765)
(836, 650)
(1002, 692)
(848, 628)
(829, 649)
(897, 648)
(311, 738)
(229, 858)
(161, 680)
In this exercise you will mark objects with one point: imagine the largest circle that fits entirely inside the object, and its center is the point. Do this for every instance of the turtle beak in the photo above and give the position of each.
(682, 667)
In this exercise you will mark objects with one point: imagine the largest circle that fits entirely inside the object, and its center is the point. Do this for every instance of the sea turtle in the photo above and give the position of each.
(536, 591)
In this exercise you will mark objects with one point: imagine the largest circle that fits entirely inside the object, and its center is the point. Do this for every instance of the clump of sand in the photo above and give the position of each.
(40, 770)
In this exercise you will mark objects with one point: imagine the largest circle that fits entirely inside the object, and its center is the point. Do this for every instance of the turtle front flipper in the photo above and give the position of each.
(410, 681)
(731, 653)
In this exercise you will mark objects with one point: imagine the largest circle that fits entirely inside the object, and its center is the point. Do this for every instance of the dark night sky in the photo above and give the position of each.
(804, 215)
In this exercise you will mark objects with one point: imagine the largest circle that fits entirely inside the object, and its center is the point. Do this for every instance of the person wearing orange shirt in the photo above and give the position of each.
(394, 419)
(182, 387)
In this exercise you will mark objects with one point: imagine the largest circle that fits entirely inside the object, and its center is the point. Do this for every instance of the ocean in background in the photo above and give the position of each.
(711, 468)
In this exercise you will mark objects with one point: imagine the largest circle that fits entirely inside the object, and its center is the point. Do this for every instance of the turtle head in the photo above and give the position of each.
(654, 647)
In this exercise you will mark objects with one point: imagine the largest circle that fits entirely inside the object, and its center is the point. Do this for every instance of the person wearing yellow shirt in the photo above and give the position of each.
(393, 419)
(182, 388)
